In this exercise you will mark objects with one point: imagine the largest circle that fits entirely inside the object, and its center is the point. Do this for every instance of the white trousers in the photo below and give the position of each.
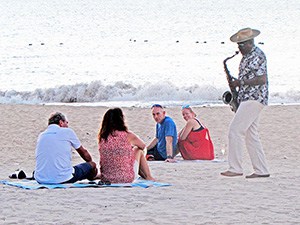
(244, 130)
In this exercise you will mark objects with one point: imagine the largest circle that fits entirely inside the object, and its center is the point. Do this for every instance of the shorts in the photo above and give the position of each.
(153, 151)
(81, 171)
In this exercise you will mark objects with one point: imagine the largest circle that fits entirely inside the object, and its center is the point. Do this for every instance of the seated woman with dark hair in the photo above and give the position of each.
(193, 140)
(121, 151)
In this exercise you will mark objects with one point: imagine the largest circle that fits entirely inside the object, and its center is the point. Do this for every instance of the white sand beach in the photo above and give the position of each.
(198, 195)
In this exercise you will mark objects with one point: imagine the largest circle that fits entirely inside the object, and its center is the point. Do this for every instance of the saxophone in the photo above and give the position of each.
(230, 97)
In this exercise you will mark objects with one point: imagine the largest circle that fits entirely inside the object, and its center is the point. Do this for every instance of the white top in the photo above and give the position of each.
(54, 154)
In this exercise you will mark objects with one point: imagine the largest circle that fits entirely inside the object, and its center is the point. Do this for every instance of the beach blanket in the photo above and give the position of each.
(204, 161)
(33, 185)
(181, 160)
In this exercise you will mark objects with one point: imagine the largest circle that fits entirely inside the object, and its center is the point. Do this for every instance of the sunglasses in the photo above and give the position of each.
(186, 107)
(156, 105)
(242, 44)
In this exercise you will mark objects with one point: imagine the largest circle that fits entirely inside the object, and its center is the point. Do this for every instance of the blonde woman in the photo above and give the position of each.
(194, 140)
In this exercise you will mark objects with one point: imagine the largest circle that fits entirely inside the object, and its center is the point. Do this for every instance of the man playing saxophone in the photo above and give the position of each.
(252, 97)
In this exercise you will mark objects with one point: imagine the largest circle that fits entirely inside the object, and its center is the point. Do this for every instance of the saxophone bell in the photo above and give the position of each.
(227, 97)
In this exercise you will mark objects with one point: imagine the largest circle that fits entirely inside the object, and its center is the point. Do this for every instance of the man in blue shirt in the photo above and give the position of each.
(163, 146)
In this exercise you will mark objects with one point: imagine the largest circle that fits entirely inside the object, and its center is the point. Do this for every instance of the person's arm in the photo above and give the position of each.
(180, 132)
(169, 145)
(84, 154)
(152, 143)
(135, 140)
(169, 148)
(88, 158)
(258, 80)
(187, 129)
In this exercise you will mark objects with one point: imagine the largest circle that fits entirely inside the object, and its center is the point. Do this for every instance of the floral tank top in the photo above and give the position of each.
(117, 158)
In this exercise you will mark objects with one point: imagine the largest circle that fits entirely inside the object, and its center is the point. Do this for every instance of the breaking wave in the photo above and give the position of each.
(97, 92)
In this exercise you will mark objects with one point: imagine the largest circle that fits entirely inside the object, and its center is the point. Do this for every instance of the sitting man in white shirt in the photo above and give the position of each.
(54, 154)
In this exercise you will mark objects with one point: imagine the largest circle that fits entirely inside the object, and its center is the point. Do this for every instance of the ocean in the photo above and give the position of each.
(136, 53)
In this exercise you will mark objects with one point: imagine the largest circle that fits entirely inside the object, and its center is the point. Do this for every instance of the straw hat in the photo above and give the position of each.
(244, 35)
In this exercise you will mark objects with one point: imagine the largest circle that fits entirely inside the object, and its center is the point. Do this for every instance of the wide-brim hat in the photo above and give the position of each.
(244, 35)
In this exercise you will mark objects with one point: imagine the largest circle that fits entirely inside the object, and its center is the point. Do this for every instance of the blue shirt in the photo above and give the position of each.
(166, 128)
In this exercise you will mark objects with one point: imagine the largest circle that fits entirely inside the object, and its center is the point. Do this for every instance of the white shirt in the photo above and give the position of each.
(54, 154)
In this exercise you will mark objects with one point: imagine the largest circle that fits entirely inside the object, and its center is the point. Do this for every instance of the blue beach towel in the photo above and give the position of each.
(181, 160)
(33, 185)
(202, 161)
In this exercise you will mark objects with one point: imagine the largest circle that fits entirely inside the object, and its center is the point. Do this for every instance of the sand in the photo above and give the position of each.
(198, 195)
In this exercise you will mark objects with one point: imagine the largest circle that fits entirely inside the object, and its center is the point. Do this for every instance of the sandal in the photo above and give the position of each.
(150, 157)
(18, 174)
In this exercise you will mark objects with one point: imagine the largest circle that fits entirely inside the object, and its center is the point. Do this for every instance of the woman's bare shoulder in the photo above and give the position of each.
(131, 134)
(192, 121)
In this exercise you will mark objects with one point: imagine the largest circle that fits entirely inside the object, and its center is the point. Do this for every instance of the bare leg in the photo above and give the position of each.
(144, 170)
(94, 171)
(98, 176)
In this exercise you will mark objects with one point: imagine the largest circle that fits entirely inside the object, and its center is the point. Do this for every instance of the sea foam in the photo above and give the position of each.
(96, 92)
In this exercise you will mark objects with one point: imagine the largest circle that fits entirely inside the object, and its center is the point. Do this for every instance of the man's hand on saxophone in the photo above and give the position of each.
(234, 83)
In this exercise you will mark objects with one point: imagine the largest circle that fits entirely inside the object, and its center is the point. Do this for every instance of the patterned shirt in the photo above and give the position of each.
(117, 158)
(252, 65)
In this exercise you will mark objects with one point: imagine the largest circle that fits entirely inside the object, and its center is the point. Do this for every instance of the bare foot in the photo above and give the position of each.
(150, 178)
(97, 177)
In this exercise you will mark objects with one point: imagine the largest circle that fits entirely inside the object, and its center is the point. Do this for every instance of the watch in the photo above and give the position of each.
(242, 82)
(169, 157)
